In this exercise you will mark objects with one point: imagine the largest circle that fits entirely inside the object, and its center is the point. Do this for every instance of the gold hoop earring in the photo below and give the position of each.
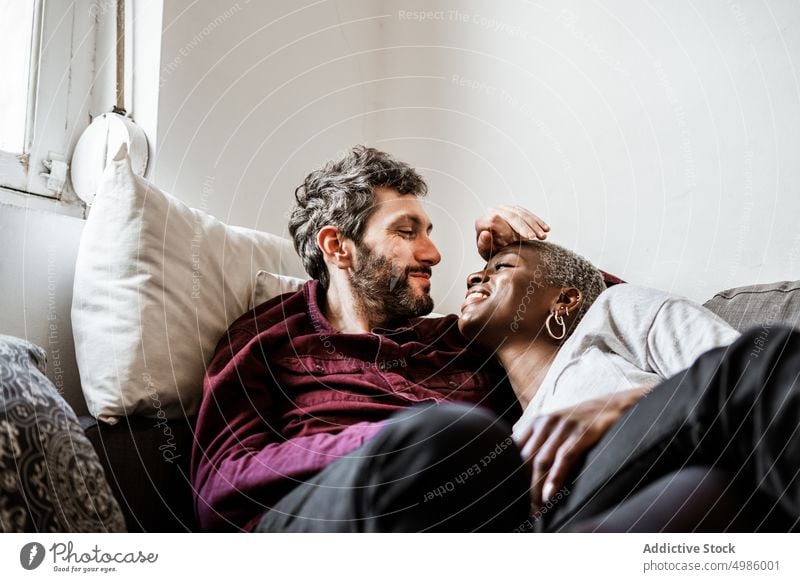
(559, 321)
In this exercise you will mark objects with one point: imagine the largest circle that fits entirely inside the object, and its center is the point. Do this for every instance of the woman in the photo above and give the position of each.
(564, 338)
(579, 356)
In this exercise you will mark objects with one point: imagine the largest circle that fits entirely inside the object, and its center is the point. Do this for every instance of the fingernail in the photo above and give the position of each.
(547, 492)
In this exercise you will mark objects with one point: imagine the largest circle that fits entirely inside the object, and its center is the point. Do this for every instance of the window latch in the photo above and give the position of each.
(56, 174)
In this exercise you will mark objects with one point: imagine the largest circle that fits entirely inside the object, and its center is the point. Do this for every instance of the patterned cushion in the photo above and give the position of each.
(50, 477)
(765, 305)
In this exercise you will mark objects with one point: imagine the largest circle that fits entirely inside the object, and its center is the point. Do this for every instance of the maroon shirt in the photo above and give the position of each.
(286, 394)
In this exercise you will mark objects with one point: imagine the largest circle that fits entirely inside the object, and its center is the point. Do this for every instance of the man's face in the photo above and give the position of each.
(394, 260)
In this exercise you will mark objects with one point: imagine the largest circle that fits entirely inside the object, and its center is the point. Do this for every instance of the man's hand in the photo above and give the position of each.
(504, 225)
(554, 443)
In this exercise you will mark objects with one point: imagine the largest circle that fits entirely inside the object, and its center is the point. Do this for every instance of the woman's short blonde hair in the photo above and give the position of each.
(565, 268)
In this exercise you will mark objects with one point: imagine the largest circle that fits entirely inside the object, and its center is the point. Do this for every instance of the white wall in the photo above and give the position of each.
(254, 95)
(38, 248)
(658, 140)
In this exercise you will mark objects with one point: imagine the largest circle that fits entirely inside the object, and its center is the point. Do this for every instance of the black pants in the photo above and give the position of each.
(432, 468)
(736, 410)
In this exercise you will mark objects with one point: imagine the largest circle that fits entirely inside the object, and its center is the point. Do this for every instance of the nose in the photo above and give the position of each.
(427, 253)
(475, 278)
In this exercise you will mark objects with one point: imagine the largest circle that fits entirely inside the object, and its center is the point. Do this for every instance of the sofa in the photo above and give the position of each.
(129, 484)
(156, 496)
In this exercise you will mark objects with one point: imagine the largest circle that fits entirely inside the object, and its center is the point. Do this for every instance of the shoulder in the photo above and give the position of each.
(628, 293)
(620, 316)
(274, 312)
(628, 301)
(438, 330)
(635, 301)
(433, 323)
(441, 332)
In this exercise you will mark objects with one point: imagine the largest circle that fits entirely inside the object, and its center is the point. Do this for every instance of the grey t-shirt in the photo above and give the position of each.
(631, 337)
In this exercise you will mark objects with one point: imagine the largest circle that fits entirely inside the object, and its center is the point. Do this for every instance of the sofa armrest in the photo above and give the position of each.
(768, 304)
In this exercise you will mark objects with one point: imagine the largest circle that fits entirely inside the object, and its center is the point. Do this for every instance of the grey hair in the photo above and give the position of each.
(565, 268)
(341, 194)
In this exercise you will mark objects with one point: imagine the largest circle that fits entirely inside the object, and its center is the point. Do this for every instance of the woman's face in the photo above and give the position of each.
(509, 296)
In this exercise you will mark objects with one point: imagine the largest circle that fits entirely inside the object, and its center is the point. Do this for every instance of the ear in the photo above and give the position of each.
(335, 247)
(569, 301)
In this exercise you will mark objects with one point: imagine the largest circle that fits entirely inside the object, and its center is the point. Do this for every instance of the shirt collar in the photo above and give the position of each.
(312, 291)
(402, 334)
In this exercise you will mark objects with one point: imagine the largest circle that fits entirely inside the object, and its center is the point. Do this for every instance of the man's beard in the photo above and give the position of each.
(383, 290)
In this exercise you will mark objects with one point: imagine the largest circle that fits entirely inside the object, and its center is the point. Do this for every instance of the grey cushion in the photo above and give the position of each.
(50, 477)
(759, 305)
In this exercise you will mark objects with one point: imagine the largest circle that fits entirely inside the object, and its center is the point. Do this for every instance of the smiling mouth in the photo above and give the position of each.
(474, 297)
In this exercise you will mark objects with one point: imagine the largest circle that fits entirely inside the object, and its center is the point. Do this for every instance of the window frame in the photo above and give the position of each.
(59, 94)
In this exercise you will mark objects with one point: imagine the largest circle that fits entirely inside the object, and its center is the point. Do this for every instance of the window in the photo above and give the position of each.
(16, 33)
(47, 67)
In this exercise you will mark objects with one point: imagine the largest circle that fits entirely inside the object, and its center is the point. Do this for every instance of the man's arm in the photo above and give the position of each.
(241, 464)
(504, 225)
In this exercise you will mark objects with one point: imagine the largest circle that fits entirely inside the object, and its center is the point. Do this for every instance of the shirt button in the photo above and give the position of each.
(318, 367)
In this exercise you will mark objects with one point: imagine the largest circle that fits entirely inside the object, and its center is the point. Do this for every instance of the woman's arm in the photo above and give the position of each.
(552, 444)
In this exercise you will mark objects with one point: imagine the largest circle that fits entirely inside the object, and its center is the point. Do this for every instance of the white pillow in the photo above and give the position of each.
(268, 285)
(156, 285)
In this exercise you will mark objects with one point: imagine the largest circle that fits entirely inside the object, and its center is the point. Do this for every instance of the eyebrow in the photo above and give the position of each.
(412, 218)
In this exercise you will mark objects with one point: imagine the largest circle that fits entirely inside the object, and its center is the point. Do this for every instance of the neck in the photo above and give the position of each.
(526, 364)
(345, 312)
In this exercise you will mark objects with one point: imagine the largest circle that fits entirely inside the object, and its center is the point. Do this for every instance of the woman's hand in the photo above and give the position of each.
(504, 225)
(554, 443)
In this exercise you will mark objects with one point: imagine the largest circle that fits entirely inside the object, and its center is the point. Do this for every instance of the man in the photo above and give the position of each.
(317, 412)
